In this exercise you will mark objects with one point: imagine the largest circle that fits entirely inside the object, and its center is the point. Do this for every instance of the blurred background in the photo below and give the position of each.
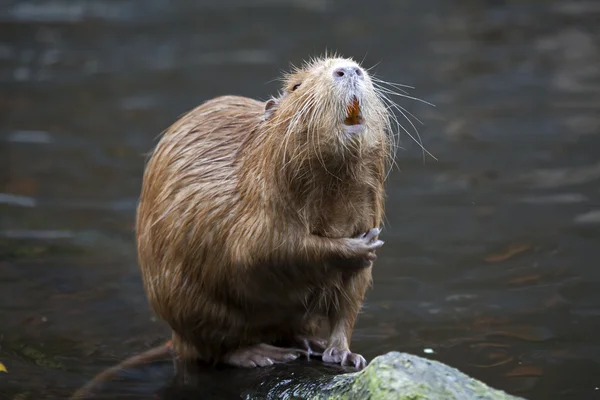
(492, 252)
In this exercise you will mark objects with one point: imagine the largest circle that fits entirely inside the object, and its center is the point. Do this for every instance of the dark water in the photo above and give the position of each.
(492, 253)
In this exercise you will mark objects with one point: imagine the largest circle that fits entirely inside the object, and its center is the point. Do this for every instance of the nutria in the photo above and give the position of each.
(258, 221)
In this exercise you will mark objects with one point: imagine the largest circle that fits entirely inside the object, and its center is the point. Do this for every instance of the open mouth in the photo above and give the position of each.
(353, 116)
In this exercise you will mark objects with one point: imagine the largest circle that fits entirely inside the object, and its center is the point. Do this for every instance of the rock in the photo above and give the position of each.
(391, 376)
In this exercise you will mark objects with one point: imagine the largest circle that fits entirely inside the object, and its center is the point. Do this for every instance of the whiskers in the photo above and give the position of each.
(385, 90)
(295, 112)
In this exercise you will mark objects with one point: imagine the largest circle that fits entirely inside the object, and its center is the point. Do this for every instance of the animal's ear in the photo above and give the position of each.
(270, 107)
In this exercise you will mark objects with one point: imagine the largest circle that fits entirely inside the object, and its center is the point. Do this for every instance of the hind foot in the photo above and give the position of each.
(344, 357)
(261, 355)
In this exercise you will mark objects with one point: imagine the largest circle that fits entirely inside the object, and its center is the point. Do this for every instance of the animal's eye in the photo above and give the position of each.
(296, 86)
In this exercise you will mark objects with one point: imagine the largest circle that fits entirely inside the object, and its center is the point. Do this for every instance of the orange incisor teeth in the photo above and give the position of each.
(353, 117)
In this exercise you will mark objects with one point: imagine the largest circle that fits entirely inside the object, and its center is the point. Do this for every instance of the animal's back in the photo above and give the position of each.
(190, 180)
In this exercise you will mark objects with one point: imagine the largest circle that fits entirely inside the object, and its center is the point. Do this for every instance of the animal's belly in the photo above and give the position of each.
(290, 300)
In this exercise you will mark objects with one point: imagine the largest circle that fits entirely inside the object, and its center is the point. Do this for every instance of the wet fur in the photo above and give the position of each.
(232, 199)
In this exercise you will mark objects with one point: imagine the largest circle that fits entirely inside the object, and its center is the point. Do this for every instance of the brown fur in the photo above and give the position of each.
(246, 212)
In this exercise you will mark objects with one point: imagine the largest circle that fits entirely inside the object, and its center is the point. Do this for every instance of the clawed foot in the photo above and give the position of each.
(344, 357)
(364, 246)
(312, 346)
(262, 355)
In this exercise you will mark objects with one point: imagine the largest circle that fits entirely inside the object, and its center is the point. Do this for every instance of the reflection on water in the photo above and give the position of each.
(491, 252)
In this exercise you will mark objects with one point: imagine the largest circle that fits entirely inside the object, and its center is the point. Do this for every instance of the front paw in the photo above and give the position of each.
(344, 357)
(312, 345)
(364, 245)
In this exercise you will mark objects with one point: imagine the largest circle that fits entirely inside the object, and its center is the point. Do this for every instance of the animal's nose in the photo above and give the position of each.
(348, 72)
